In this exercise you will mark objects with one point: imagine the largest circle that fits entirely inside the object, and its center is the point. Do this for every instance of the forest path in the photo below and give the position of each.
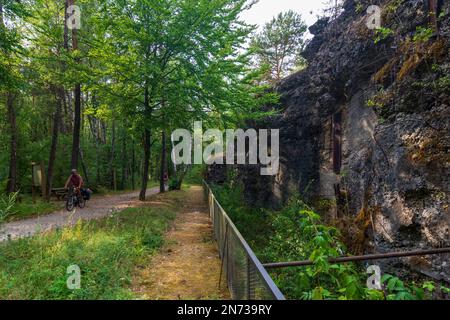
(96, 208)
(188, 266)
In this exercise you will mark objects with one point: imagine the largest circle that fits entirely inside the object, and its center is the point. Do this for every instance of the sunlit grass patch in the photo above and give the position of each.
(107, 251)
(27, 207)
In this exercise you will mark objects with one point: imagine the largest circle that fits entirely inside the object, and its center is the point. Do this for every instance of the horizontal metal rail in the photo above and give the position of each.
(378, 256)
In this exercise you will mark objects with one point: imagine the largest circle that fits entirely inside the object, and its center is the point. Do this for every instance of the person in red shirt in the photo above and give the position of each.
(75, 180)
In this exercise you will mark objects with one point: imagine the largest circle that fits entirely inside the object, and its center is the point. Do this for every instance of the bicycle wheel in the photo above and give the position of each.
(70, 204)
(81, 203)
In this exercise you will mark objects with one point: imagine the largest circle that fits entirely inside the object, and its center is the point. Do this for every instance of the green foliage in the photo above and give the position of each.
(382, 34)
(26, 207)
(292, 234)
(253, 223)
(299, 235)
(373, 104)
(445, 290)
(423, 34)
(444, 82)
(398, 290)
(7, 206)
(278, 46)
(106, 251)
(195, 174)
(145, 65)
(359, 7)
(296, 233)
(393, 6)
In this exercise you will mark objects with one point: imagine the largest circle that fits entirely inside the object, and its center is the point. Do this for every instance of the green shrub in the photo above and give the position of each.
(296, 233)
(382, 34)
(195, 175)
(253, 223)
(423, 34)
(299, 235)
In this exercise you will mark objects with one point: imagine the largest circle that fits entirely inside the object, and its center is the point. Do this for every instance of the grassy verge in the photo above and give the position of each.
(26, 208)
(107, 252)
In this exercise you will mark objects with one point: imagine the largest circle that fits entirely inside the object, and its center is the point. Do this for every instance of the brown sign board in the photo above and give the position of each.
(37, 175)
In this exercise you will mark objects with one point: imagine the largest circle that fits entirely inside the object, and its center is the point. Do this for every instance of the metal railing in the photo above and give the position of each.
(245, 275)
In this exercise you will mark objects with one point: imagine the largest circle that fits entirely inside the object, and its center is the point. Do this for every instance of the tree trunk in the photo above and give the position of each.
(83, 166)
(123, 182)
(145, 166)
(162, 183)
(112, 157)
(77, 116)
(147, 146)
(133, 166)
(76, 128)
(10, 99)
(65, 123)
(12, 177)
(54, 145)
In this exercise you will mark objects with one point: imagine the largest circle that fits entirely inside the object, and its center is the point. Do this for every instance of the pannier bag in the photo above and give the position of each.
(86, 194)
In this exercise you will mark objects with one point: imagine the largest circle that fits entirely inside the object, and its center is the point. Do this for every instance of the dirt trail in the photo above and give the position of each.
(188, 266)
(97, 208)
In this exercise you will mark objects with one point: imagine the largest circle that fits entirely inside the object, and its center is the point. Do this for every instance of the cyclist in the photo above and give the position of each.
(75, 181)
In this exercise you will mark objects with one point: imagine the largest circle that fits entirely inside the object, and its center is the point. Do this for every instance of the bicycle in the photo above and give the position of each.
(75, 199)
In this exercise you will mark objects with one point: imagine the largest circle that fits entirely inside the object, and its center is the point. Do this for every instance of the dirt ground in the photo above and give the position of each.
(188, 266)
(98, 207)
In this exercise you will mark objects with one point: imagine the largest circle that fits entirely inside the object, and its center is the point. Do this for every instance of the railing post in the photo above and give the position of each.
(223, 258)
(229, 282)
(249, 289)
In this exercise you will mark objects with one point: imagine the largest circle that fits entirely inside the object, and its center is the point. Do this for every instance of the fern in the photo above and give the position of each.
(6, 206)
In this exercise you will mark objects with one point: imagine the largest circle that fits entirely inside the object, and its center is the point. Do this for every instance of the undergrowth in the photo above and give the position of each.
(296, 233)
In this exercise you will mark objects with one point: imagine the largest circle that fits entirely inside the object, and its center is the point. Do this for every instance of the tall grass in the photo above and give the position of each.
(6, 206)
(107, 251)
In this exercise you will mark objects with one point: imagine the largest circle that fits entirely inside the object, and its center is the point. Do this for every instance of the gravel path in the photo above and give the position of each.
(188, 266)
(97, 208)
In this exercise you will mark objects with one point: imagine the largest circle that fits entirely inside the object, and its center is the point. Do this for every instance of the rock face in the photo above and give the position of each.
(366, 127)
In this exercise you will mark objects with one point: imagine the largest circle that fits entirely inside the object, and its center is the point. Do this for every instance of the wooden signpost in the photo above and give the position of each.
(37, 178)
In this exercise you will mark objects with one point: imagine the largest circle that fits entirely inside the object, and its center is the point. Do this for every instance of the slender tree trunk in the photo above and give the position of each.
(133, 166)
(147, 147)
(64, 125)
(11, 113)
(58, 122)
(12, 177)
(123, 182)
(54, 145)
(76, 128)
(83, 166)
(66, 28)
(112, 157)
(77, 109)
(103, 129)
(146, 163)
(162, 184)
